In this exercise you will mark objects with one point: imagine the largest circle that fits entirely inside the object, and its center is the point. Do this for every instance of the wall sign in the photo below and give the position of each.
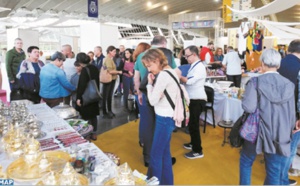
(93, 8)
(193, 24)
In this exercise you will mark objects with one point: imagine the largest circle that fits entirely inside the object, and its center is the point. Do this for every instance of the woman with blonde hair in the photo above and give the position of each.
(160, 164)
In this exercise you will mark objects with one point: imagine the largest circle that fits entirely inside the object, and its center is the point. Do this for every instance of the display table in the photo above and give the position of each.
(53, 125)
(225, 108)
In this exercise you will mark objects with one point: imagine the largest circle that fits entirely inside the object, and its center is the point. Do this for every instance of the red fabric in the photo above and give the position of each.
(203, 53)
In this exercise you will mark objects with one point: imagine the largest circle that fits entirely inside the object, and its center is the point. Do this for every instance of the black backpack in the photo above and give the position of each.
(234, 136)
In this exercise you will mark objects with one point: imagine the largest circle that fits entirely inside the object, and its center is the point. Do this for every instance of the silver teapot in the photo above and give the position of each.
(65, 111)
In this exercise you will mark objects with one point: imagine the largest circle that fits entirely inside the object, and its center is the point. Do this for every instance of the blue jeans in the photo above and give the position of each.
(274, 165)
(294, 145)
(127, 86)
(248, 155)
(146, 128)
(160, 158)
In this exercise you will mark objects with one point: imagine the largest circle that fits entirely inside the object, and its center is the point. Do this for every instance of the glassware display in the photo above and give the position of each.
(125, 176)
(2, 174)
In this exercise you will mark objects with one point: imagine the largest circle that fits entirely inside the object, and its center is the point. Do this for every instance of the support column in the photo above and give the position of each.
(98, 34)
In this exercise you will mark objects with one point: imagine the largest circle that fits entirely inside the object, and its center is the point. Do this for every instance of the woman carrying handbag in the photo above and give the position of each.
(88, 112)
(108, 87)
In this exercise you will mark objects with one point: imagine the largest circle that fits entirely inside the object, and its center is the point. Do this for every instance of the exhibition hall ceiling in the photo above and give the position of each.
(62, 17)
(152, 11)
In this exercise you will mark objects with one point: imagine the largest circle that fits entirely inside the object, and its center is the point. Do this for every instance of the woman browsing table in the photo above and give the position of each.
(89, 72)
(160, 164)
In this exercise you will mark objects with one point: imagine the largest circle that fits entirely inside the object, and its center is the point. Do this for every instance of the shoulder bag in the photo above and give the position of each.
(105, 76)
(91, 93)
(181, 108)
(235, 139)
(249, 130)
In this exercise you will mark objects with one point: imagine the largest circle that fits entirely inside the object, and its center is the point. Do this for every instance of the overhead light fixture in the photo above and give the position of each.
(165, 7)
(149, 4)
(197, 17)
(2, 9)
(129, 1)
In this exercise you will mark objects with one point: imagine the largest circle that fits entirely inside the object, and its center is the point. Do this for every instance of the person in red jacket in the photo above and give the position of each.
(206, 53)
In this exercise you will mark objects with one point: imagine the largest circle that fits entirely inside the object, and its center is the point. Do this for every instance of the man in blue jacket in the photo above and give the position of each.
(289, 68)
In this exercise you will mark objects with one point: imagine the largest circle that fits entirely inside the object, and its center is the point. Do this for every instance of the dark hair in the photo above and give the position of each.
(210, 43)
(76, 64)
(230, 47)
(294, 46)
(91, 52)
(82, 58)
(158, 40)
(58, 55)
(193, 49)
(131, 57)
(31, 48)
(110, 48)
(117, 53)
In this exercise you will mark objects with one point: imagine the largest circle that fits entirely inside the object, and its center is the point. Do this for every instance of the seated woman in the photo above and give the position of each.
(54, 83)
(218, 58)
(28, 75)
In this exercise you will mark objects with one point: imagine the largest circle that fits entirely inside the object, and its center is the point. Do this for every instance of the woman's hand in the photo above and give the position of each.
(130, 73)
(151, 77)
(78, 102)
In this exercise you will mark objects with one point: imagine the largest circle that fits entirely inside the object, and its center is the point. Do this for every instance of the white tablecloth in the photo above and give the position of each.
(225, 109)
(51, 123)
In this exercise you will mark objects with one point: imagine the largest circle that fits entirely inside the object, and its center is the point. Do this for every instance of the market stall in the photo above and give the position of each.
(58, 148)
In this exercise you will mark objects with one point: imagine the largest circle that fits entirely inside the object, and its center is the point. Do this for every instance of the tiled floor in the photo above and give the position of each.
(121, 117)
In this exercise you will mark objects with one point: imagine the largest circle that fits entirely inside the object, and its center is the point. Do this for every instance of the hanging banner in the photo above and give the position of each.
(93, 8)
(193, 24)
(227, 14)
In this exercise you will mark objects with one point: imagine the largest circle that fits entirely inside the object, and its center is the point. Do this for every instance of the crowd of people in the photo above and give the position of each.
(151, 74)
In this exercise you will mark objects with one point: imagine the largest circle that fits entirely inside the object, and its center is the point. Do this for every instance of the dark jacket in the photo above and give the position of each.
(289, 68)
(98, 62)
(13, 61)
(275, 101)
(89, 111)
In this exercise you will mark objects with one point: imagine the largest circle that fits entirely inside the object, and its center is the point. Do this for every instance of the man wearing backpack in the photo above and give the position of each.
(194, 84)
